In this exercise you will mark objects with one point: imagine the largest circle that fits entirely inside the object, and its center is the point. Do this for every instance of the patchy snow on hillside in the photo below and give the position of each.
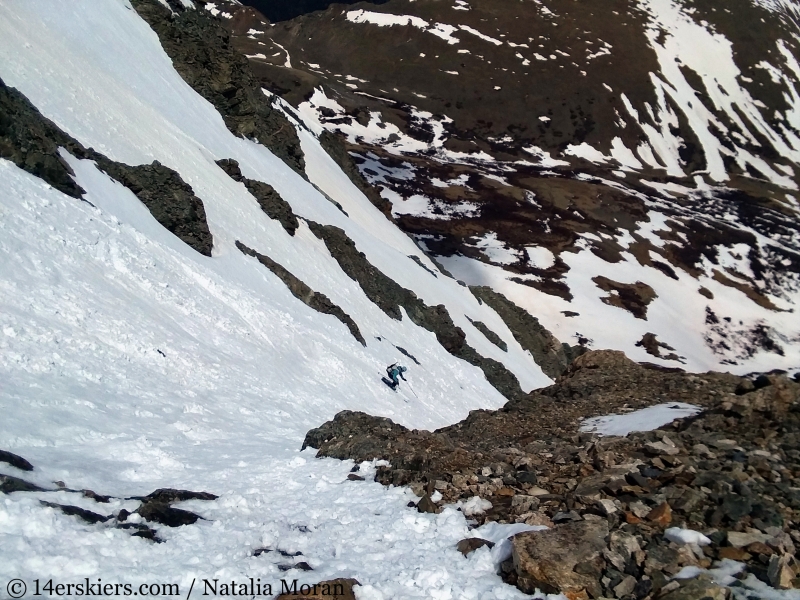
(495, 250)
(441, 30)
(680, 42)
(540, 257)
(678, 315)
(130, 362)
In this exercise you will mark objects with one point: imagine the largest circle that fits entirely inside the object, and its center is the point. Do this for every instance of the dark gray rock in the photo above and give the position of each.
(202, 53)
(270, 201)
(546, 350)
(163, 513)
(170, 495)
(168, 198)
(142, 531)
(96, 497)
(74, 511)
(734, 507)
(31, 142)
(9, 484)
(490, 335)
(300, 290)
(302, 566)
(526, 477)
(426, 505)
(15, 461)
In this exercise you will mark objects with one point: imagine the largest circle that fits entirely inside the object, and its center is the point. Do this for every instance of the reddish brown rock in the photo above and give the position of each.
(661, 515)
(547, 559)
(335, 589)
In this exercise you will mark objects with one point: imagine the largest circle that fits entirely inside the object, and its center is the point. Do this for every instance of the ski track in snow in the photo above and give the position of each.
(130, 362)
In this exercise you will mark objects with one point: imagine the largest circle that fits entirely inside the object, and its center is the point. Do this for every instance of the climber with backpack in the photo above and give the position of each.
(394, 371)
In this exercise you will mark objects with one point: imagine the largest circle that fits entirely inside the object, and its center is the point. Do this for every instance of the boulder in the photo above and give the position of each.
(9, 484)
(547, 559)
(160, 512)
(743, 539)
(469, 545)
(779, 572)
(170, 495)
(695, 589)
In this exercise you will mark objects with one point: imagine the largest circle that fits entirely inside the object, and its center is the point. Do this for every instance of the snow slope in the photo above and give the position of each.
(130, 362)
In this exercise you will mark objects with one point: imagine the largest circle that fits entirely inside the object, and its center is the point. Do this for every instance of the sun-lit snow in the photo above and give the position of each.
(686, 536)
(495, 250)
(678, 316)
(130, 362)
(440, 30)
(540, 257)
(483, 36)
(645, 419)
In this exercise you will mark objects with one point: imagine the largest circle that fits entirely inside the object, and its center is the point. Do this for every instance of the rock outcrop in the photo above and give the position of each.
(550, 354)
(168, 198)
(202, 53)
(639, 500)
(562, 559)
(389, 296)
(268, 198)
(300, 290)
(32, 142)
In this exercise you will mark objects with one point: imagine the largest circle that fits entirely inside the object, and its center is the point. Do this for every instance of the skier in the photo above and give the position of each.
(394, 371)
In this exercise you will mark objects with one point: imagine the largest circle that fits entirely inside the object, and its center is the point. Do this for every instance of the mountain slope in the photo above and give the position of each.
(627, 174)
(132, 362)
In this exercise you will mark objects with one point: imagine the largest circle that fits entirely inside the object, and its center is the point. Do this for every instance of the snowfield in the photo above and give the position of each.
(645, 419)
(129, 362)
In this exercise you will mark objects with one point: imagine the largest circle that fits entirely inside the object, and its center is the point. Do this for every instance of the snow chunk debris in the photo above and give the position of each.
(686, 536)
(474, 506)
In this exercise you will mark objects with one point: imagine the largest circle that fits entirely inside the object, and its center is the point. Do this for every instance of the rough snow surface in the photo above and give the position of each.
(130, 362)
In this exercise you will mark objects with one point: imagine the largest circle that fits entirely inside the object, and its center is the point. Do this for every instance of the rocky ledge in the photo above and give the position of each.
(711, 498)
